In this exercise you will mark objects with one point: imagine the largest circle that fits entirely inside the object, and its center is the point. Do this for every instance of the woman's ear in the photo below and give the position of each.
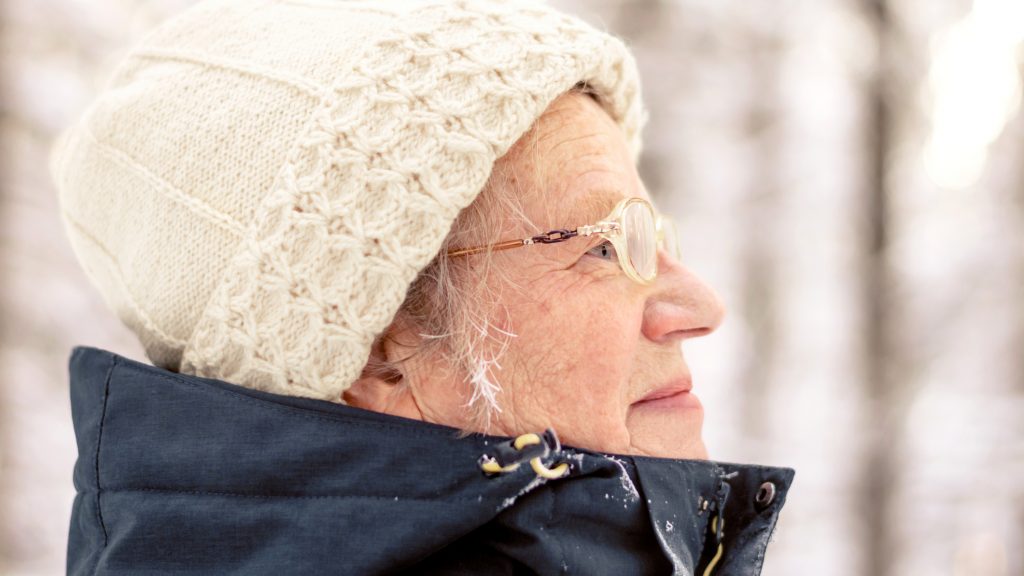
(383, 385)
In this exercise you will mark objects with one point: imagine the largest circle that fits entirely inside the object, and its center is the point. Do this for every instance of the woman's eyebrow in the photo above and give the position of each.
(593, 206)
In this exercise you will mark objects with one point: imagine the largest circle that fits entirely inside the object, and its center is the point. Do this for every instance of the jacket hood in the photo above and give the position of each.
(195, 475)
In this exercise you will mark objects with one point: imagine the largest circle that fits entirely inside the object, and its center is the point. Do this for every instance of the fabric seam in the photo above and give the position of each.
(267, 496)
(548, 523)
(99, 439)
(289, 410)
(759, 564)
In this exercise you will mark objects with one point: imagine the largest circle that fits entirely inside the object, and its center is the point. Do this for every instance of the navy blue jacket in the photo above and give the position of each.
(178, 474)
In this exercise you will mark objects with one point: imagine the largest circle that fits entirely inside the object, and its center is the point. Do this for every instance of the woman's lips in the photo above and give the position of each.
(680, 400)
(670, 399)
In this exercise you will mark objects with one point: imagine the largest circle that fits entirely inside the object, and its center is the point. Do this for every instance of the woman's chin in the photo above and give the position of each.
(684, 449)
(667, 434)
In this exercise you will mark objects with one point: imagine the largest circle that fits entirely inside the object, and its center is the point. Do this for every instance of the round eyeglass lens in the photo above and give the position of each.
(641, 239)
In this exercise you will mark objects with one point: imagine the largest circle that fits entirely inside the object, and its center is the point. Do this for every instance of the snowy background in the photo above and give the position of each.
(849, 175)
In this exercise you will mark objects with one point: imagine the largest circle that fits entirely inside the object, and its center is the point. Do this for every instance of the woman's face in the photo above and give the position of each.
(594, 350)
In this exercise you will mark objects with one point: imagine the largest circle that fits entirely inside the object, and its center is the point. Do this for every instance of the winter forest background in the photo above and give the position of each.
(847, 174)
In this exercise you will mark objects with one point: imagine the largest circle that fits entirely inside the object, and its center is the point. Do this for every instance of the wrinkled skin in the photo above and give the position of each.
(590, 342)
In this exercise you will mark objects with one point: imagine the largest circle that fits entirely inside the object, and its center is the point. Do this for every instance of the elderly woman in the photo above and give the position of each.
(409, 306)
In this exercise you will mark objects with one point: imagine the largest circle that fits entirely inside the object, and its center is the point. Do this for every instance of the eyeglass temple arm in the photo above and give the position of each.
(499, 246)
(549, 237)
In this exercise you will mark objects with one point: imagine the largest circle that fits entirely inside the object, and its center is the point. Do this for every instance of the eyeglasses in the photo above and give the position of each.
(635, 230)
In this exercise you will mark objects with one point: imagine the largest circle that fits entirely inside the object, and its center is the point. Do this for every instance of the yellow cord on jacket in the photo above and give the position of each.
(718, 554)
(522, 441)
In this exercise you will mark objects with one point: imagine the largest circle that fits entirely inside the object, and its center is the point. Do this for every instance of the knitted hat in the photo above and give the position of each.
(262, 180)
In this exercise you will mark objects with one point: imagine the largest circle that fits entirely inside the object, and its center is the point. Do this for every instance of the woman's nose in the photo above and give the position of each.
(681, 305)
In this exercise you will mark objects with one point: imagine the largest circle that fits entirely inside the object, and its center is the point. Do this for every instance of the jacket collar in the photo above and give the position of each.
(143, 431)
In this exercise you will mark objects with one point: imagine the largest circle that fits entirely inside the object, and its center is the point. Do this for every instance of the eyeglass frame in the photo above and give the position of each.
(609, 228)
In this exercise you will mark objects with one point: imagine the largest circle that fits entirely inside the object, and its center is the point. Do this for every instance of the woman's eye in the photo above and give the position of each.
(604, 250)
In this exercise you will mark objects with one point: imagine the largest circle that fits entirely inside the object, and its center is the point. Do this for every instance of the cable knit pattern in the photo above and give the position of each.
(262, 181)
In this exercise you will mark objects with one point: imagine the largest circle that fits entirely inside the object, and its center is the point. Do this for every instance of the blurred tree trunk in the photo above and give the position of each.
(1016, 202)
(5, 433)
(763, 215)
(647, 26)
(879, 474)
(1017, 241)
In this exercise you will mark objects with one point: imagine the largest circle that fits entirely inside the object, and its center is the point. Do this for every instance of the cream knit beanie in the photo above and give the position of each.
(262, 180)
